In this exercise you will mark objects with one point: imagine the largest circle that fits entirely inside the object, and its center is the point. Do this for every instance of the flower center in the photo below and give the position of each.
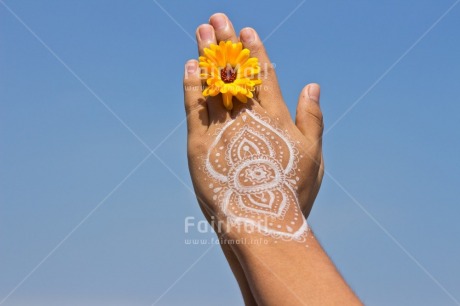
(228, 74)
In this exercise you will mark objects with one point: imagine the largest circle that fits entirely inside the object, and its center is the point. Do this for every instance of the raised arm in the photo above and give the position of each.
(256, 171)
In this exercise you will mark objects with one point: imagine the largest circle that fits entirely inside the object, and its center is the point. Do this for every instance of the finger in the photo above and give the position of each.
(269, 94)
(224, 31)
(205, 36)
(195, 105)
(309, 118)
(223, 28)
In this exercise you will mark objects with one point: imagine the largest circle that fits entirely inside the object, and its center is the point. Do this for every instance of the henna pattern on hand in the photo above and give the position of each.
(254, 174)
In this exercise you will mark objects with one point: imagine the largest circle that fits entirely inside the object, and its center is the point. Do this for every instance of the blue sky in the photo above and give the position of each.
(72, 184)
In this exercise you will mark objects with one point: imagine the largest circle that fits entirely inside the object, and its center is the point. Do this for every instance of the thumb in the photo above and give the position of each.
(309, 118)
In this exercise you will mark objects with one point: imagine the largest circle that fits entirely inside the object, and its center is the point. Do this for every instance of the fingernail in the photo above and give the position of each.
(205, 32)
(191, 67)
(247, 35)
(313, 92)
(219, 21)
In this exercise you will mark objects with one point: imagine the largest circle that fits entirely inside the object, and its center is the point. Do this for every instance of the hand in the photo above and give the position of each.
(253, 164)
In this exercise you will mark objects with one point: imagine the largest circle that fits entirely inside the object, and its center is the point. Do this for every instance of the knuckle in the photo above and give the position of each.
(267, 70)
(193, 106)
(256, 47)
(317, 117)
(227, 35)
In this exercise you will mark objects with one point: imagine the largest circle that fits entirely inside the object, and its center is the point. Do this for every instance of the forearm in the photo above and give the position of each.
(293, 273)
(240, 277)
(232, 260)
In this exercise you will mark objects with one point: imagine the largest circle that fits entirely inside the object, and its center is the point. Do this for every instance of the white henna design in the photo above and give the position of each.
(254, 168)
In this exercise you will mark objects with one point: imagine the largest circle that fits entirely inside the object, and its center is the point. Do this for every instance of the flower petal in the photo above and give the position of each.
(210, 54)
(227, 99)
(243, 56)
(242, 98)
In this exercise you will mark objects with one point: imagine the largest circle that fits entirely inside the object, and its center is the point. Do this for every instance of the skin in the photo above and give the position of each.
(280, 272)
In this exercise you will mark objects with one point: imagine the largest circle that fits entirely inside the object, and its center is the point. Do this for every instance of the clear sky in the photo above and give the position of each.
(82, 222)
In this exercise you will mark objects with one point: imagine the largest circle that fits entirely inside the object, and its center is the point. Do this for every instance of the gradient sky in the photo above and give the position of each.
(82, 222)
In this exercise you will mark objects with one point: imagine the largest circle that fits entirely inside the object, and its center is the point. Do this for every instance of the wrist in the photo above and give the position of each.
(244, 237)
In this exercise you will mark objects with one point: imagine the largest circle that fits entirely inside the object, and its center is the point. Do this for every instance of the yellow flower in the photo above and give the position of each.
(228, 69)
